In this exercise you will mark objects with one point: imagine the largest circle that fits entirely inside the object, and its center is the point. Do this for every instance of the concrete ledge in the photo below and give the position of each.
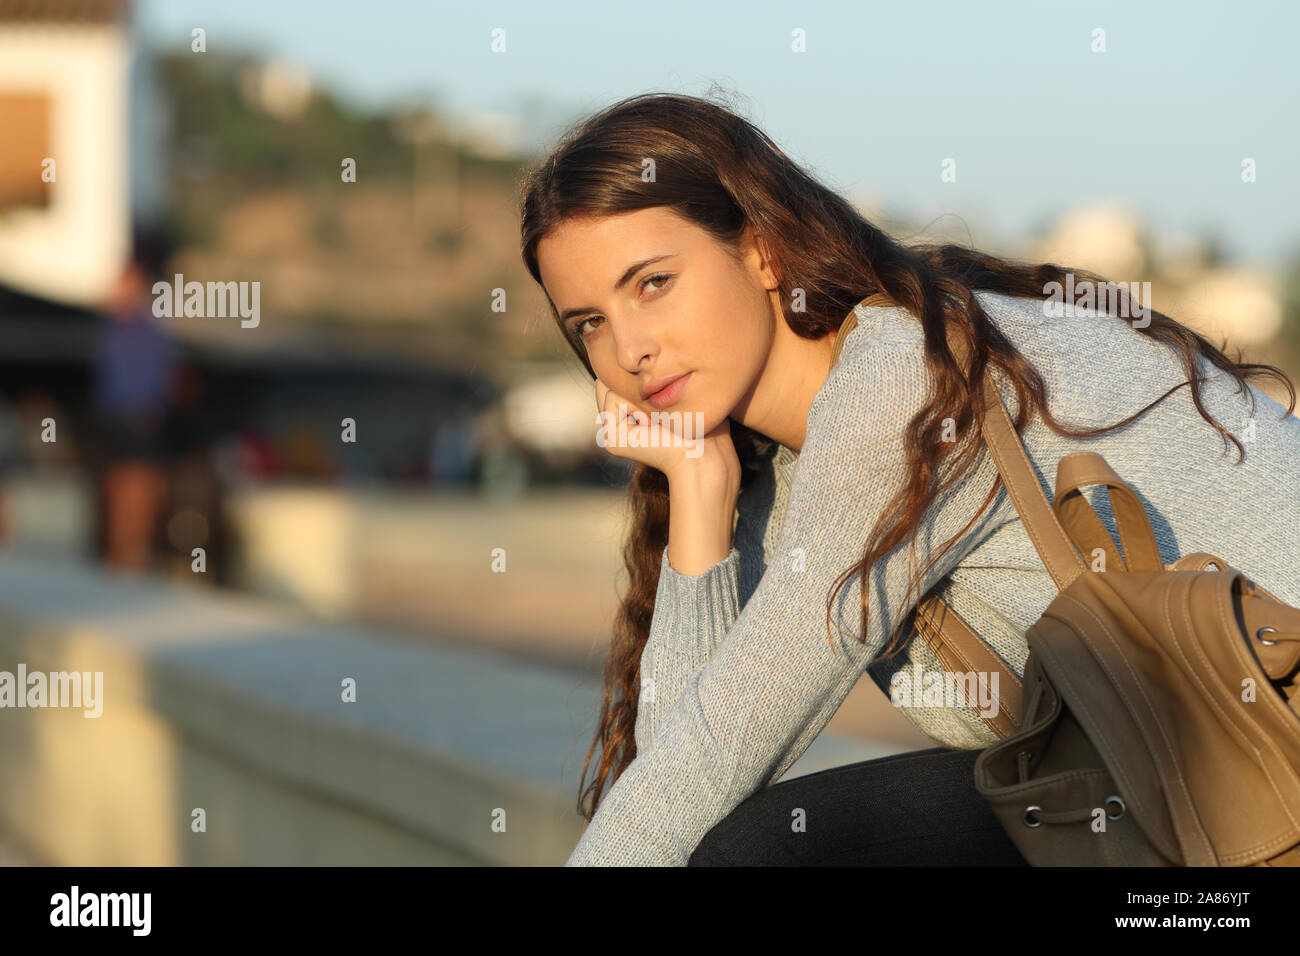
(49, 512)
(233, 705)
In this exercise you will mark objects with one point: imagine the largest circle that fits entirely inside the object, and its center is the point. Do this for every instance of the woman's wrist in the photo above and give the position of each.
(711, 476)
(700, 519)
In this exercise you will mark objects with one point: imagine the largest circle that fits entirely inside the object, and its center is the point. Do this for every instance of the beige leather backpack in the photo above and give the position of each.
(1159, 719)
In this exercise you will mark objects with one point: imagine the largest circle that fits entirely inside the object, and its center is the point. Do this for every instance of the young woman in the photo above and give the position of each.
(694, 268)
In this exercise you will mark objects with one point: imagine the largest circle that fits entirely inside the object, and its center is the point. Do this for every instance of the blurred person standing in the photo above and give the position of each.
(451, 450)
(194, 510)
(134, 382)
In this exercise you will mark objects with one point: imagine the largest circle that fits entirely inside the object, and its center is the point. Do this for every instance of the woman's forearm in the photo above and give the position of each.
(702, 508)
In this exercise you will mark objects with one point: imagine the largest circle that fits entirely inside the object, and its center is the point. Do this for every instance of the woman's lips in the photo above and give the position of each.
(670, 394)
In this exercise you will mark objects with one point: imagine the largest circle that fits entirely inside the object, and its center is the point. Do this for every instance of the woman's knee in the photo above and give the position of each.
(710, 852)
(748, 836)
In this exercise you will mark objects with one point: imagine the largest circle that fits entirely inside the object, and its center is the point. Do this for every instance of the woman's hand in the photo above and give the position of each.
(702, 486)
(709, 460)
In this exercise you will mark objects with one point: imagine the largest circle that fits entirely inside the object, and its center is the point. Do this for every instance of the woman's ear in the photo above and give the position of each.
(758, 256)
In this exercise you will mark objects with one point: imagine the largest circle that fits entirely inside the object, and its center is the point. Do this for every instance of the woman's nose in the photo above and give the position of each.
(632, 346)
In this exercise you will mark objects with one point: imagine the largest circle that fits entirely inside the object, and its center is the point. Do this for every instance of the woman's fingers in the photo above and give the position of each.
(608, 400)
(621, 409)
(626, 431)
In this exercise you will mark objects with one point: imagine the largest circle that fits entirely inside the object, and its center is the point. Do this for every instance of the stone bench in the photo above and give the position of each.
(232, 705)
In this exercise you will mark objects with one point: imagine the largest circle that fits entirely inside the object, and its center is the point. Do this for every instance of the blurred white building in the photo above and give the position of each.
(549, 409)
(65, 130)
(1105, 238)
(1241, 305)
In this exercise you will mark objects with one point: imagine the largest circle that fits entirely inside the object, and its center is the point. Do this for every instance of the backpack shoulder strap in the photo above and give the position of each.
(960, 650)
(846, 327)
(851, 321)
(955, 644)
(1057, 551)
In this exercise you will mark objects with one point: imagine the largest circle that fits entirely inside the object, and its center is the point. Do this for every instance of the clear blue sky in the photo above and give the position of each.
(1036, 121)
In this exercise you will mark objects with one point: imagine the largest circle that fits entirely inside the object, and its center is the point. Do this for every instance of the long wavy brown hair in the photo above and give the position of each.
(722, 173)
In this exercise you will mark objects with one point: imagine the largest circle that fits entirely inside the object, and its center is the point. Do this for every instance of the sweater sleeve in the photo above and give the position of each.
(752, 708)
(693, 613)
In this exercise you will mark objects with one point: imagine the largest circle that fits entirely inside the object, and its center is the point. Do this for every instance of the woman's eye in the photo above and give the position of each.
(660, 277)
(577, 329)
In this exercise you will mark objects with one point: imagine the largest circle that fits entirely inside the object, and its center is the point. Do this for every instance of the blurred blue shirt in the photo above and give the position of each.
(134, 360)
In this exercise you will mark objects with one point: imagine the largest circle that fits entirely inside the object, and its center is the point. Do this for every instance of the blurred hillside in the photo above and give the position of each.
(403, 259)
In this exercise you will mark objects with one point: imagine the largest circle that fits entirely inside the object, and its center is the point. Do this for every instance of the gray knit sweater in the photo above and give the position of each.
(738, 676)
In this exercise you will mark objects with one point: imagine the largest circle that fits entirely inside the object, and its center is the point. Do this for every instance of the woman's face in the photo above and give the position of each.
(693, 311)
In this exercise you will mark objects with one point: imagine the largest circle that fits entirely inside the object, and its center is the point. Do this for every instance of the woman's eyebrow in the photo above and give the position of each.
(632, 270)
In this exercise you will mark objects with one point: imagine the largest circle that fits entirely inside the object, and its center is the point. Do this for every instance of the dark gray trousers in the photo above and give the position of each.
(912, 809)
